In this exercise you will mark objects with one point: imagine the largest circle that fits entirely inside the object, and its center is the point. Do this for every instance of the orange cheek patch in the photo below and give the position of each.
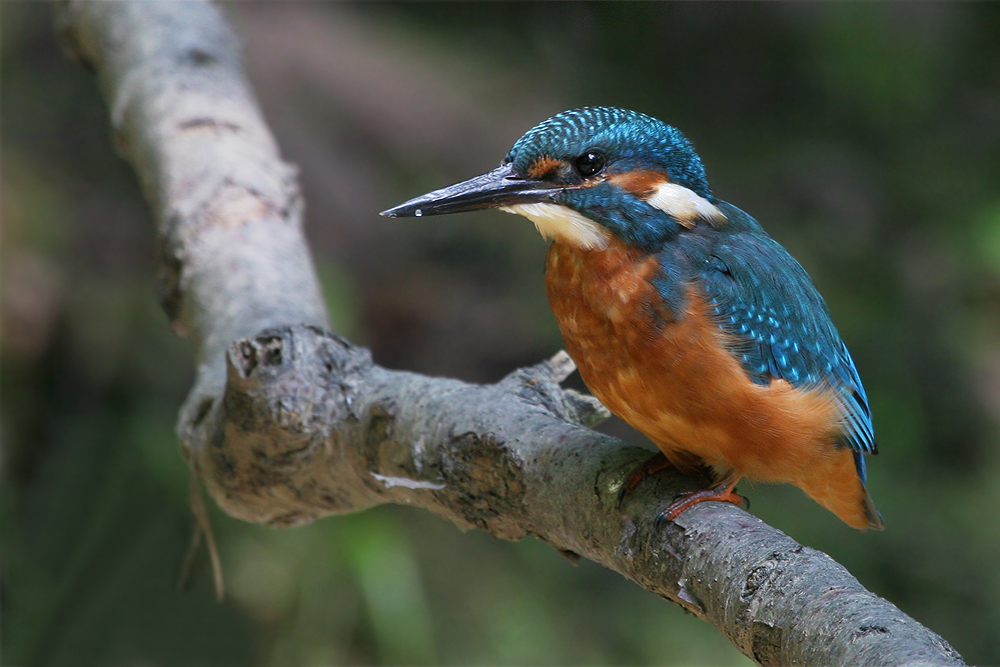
(640, 183)
(543, 167)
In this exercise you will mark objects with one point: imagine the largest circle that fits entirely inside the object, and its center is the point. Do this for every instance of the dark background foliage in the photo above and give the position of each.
(865, 137)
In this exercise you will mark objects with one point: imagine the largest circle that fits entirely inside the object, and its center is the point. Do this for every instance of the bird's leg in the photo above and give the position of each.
(654, 464)
(724, 491)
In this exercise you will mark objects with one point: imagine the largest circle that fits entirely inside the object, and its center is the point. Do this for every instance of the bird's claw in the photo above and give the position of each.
(654, 464)
(688, 499)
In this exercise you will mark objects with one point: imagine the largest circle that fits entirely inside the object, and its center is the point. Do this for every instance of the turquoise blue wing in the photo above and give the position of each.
(782, 327)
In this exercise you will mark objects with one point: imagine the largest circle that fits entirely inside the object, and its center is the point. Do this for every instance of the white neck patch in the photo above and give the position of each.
(684, 205)
(554, 221)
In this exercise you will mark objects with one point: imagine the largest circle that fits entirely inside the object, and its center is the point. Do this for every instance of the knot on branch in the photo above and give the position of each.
(298, 380)
(488, 480)
(285, 388)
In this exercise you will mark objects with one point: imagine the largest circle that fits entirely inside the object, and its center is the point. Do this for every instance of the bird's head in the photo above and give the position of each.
(586, 175)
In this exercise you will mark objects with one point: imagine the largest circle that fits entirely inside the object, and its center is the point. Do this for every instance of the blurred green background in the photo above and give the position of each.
(865, 137)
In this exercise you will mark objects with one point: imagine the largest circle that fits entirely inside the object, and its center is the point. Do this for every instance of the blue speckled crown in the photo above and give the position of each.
(631, 136)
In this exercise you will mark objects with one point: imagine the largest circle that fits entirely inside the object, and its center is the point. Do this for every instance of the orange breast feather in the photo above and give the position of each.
(671, 376)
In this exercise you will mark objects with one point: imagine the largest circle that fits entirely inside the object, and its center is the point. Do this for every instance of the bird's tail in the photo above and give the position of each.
(872, 514)
(838, 487)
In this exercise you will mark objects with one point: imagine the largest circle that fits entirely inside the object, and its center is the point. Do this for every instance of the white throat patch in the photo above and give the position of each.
(554, 221)
(684, 205)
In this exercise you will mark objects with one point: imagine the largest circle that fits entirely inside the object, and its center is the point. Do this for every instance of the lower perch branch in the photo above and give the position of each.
(309, 426)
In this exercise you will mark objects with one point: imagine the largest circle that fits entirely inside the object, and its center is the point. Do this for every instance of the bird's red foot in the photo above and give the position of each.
(654, 464)
(725, 491)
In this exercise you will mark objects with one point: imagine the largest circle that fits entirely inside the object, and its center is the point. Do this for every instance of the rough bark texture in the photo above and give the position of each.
(291, 422)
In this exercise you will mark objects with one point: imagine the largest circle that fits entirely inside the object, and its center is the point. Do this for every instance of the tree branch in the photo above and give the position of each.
(291, 423)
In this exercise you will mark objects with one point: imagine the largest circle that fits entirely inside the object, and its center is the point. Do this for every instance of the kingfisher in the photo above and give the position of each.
(684, 317)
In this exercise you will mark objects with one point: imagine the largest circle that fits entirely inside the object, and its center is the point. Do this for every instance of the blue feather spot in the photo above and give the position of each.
(859, 462)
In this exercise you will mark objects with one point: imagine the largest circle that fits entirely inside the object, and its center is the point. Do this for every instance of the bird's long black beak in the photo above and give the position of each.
(497, 188)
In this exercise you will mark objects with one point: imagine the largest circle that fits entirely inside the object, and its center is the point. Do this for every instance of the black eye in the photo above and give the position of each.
(590, 163)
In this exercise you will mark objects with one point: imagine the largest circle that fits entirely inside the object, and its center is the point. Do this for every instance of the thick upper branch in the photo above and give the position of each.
(295, 423)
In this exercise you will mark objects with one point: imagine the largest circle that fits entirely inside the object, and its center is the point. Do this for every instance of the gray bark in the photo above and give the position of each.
(288, 422)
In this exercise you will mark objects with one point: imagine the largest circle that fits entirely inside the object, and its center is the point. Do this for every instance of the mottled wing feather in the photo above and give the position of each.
(767, 303)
